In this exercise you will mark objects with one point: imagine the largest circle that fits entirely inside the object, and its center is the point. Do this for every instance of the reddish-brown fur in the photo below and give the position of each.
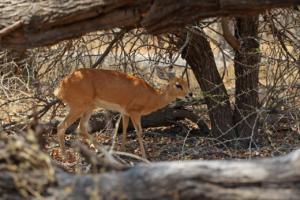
(85, 89)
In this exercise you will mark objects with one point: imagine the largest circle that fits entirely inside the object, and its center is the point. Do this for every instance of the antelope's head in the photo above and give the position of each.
(177, 87)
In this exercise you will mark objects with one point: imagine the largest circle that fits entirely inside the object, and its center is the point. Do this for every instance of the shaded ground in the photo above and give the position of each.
(178, 142)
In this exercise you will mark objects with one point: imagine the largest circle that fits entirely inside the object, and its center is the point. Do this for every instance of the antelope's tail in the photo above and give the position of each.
(57, 92)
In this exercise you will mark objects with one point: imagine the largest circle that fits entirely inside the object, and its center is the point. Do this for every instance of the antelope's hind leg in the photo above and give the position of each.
(84, 125)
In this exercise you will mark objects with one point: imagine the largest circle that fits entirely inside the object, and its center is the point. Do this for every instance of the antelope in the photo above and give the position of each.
(86, 89)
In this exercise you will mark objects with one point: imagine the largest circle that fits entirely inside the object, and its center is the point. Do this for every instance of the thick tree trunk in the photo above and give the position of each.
(30, 23)
(246, 64)
(199, 56)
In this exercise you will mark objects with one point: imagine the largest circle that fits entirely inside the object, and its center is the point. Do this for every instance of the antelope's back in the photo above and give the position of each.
(88, 85)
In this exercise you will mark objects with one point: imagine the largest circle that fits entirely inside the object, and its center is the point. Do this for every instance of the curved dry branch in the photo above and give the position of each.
(229, 37)
(47, 22)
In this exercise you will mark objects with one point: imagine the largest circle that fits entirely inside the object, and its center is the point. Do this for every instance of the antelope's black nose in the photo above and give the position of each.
(189, 95)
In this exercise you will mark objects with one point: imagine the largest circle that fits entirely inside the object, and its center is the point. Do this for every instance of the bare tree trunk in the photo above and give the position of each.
(199, 56)
(246, 64)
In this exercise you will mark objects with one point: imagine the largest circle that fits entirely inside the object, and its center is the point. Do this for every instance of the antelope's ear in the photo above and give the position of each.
(165, 75)
(161, 73)
(171, 72)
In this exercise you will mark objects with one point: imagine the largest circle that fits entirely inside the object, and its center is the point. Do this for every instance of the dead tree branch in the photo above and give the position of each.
(228, 36)
(275, 178)
(117, 37)
(48, 22)
(26, 171)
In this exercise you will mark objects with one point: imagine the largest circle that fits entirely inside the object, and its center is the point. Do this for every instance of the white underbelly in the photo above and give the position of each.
(110, 106)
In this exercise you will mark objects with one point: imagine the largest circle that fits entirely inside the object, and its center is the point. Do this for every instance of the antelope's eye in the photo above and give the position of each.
(178, 86)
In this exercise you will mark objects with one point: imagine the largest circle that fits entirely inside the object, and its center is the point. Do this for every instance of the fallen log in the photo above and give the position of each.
(27, 172)
(271, 178)
(164, 117)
